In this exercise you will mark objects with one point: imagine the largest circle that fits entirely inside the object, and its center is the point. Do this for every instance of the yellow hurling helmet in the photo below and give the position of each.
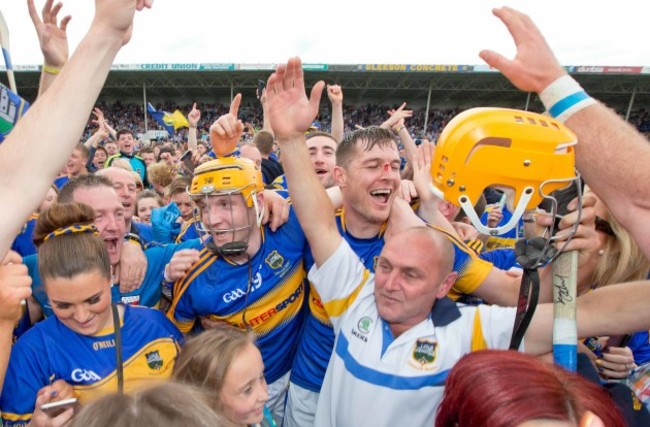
(228, 175)
(528, 152)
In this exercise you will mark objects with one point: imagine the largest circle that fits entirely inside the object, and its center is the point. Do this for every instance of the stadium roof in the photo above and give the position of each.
(450, 85)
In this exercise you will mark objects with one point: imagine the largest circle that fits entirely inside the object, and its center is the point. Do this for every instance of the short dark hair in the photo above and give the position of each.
(368, 137)
(124, 131)
(316, 133)
(82, 181)
(163, 150)
(146, 150)
(263, 140)
(85, 153)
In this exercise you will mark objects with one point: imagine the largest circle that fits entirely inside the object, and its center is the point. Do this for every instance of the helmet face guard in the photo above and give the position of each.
(532, 154)
(228, 177)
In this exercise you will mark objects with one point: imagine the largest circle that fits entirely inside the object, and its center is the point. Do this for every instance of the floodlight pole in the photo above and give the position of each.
(144, 101)
(426, 114)
(629, 106)
(232, 89)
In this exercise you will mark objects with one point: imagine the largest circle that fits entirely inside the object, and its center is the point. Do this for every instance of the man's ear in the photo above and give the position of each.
(340, 176)
(446, 284)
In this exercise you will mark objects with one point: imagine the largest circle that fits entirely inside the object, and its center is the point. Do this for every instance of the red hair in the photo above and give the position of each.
(502, 388)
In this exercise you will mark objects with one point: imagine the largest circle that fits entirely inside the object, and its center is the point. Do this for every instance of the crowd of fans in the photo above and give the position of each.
(131, 116)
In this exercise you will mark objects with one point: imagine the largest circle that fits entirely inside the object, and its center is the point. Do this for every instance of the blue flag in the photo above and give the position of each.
(163, 119)
(12, 108)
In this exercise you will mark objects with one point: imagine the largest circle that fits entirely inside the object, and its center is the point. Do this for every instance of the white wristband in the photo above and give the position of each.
(565, 97)
(165, 276)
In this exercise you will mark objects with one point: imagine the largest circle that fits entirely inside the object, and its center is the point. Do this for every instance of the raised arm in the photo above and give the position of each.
(611, 310)
(15, 286)
(335, 94)
(226, 132)
(193, 119)
(611, 155)
(31, 159)
(291, 113)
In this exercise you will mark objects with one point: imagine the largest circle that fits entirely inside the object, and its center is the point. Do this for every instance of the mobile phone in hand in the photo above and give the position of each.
(53, 409)
(188, 163)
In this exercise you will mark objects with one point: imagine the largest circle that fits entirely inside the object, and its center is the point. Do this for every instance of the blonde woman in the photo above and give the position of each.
(617, 259)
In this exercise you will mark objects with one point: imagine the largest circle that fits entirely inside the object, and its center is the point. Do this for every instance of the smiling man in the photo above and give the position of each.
(99, 193)
(244, 274)
(126, 143)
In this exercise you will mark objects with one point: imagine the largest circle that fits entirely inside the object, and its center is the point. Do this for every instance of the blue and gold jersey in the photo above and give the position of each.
(280, 183)
(148, 294)
(317, 340)
(270, 304)
(23, 324)
(51, 351)
(24, 243)
(507, 239)
(188, 231)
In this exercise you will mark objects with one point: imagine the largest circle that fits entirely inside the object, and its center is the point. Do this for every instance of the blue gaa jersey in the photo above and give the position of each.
(216, 288)
(51, 351)
(23, 324)
(376, 379)
(507, 239)
(317, 340)
(148, 294)
(24, 243)
(189, 231)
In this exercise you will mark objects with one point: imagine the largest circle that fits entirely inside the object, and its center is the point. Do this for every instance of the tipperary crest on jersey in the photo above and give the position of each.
(154, 360)
(424, 354)
(274, 260)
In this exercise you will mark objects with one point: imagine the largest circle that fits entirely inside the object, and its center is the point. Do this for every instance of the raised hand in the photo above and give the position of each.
(115, 17)
(15, 286)
(290, 111)
(226, 132)
(335, 94)
(396, 117)
(51, 35)
(194, 116)
(535, 66)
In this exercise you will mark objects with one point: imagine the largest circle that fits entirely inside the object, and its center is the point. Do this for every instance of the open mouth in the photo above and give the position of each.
(381, 196)
(111, 244)
(321, 172)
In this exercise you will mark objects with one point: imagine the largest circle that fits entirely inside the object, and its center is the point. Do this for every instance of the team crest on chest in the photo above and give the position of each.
(154, 360)
(424, 354)
(274, 260)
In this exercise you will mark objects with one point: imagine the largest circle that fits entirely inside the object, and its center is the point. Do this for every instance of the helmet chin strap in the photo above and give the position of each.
(227, 250)
(468, 207)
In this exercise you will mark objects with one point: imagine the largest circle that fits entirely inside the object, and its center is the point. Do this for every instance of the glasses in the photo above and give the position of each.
(604, 226)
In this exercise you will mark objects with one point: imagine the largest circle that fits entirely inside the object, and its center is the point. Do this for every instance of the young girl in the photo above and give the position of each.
(79, 344)
(226, 363)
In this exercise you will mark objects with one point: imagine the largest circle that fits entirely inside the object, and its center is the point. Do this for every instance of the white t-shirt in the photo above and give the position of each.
(375, 380)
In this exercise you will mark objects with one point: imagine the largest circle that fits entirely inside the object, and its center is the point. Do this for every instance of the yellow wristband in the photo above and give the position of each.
(398, 130)
(51, 70)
